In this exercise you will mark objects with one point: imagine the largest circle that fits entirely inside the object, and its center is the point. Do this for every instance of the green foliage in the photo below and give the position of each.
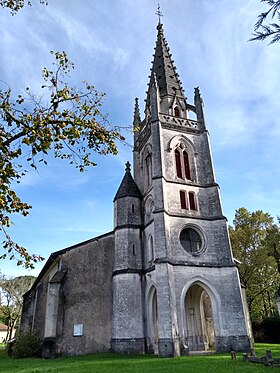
(272, 30)
(12, 291)
(252, 237)
(267, 330)
(64, 120)
(27, 345)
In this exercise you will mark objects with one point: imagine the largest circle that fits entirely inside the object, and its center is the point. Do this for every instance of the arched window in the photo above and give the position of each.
(176, 111)
(178, 164)
(148, 165)
(151, 249)
(187, 165)
(183, 169)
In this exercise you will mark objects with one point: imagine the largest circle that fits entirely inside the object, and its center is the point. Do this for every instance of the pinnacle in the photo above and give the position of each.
(137, 118)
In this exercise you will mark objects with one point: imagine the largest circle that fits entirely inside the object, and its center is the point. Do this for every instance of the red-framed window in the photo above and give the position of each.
(187, 165)
(192, 203)
(178, 164)
(183, 200)
(183, 169)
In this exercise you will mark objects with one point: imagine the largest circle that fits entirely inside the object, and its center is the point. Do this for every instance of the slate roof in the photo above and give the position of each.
(128, 187)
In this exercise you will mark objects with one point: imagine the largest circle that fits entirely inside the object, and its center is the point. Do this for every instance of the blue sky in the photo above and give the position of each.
(111, 44)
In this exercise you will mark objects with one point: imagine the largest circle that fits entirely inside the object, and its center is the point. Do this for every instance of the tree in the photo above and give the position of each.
(65, 120)
(16, 5)
(272, 30)
(273, 243)
(11, 302)
(258, 269)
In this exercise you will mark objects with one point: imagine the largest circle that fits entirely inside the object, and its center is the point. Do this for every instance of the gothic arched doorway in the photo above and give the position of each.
(152, 341)
(199, 319)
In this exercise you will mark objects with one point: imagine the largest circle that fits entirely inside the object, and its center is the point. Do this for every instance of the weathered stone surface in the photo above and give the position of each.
(142, 288)
(85, 298)
(128, 346)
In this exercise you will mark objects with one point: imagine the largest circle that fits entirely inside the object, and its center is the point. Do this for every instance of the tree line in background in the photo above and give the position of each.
(11, 300)
(255, 240)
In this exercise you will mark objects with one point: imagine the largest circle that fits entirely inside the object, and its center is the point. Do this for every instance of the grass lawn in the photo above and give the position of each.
(220, 363)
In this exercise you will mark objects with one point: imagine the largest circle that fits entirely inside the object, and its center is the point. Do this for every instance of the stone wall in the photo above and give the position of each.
(85, 299)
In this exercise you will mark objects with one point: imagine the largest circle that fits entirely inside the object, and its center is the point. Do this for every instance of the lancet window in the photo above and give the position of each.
(183, 169)
(151, 249)
(192, 201)
(147, 166)
(188, 200)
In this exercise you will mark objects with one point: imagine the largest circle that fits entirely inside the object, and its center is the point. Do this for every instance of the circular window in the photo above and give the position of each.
(191, 241)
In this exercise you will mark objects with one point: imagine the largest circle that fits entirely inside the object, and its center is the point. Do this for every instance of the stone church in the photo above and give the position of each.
(164, 281)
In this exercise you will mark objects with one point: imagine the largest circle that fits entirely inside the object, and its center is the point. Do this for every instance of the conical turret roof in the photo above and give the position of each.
(128, 187)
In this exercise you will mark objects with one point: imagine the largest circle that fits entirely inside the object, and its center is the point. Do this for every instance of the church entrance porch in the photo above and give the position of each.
(199, 320)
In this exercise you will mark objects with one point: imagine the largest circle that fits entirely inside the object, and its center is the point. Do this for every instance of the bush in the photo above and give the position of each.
(267, 330)
(9, 346)
(27, 345)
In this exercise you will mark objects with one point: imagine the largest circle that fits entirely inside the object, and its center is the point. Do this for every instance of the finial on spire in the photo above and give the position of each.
(159, 13)
(127, 167)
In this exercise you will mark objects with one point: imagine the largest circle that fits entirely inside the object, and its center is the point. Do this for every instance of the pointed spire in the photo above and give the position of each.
(128, 187)
(137, 118)
(164, 69)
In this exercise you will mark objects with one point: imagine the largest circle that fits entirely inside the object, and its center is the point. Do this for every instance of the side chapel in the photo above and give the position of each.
(164, 281)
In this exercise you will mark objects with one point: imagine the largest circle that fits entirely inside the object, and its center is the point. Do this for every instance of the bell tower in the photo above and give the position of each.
(191, 289)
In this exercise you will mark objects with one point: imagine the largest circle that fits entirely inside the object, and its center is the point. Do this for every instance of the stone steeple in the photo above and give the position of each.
(164, 69)
(187, 256)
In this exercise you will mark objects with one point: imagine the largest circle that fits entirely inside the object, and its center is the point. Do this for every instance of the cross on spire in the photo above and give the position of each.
(159, 13)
